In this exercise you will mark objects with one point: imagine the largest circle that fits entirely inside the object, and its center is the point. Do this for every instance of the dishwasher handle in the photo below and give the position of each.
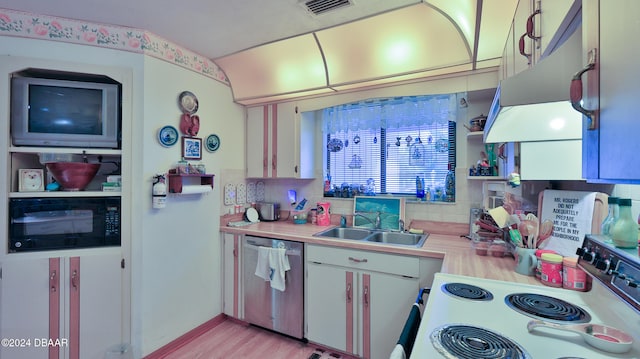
(253, 245)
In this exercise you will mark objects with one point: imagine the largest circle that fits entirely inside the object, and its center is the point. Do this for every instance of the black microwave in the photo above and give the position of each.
(39, 224)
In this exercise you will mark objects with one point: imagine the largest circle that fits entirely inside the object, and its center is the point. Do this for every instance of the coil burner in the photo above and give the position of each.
(543, 307)
(459, 341)
(467, 291)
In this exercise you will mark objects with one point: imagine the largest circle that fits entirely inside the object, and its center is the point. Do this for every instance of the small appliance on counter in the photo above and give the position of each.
(268, 211)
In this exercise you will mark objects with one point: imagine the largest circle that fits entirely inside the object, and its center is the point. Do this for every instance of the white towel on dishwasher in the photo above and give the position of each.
(279, 264)
(263, 269)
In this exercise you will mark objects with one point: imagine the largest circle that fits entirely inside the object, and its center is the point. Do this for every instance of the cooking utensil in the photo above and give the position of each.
(546, 230)
(599, 336)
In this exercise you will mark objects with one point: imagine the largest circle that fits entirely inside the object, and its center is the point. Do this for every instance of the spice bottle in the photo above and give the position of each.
(624, 232)
(612, 216)
(551, 270)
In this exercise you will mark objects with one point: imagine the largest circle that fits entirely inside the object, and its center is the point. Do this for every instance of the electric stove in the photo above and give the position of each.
(489, 319)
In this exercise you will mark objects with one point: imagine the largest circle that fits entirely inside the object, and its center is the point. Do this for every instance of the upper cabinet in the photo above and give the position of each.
(280, 142)
(537, 29)
(610, 89)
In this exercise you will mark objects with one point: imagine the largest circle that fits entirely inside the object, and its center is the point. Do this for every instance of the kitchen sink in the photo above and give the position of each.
(375, 236)
(345, 233)
(406, 239)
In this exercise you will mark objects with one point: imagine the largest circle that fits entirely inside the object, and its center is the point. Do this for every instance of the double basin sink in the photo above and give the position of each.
(375, 236)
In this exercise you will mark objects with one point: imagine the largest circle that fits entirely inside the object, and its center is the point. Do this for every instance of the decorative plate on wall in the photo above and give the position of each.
(188, 102)
(212, 143)
(168, 136)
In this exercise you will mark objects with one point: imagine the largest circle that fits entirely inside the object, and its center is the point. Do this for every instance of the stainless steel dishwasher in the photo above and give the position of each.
(280, 311)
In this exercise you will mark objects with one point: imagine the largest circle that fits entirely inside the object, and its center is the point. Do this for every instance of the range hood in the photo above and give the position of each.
(534, 105)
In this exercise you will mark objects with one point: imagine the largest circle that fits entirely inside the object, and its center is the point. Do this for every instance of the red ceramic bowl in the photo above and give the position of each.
(73, 176)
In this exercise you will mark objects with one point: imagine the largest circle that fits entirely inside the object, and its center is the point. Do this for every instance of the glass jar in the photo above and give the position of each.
(624, 232)
(612, 216)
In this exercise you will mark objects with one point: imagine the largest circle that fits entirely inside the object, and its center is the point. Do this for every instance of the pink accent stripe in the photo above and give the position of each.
(235, 274)
(366, 316)
(74, 308)
(54, 305)
(265, 141)
(274, 140)
(186, 338)
(349, 303)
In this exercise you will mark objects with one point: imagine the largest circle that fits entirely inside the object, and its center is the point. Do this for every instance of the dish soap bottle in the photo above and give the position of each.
(419, 188)
(450, 184)
(625, 230)
(612, 217)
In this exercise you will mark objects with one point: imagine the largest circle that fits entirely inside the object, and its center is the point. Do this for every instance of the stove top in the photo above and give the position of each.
(459, 341)
(493, 318)
(544, 307)
(467, 291)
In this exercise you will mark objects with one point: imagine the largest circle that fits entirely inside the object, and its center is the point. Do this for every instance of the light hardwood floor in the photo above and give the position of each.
(233, 340)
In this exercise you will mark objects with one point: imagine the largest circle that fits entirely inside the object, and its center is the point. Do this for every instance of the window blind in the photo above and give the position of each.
(367, 154)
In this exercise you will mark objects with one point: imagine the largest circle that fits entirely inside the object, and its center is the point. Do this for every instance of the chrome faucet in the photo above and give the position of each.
(401, 225)
(376, 223)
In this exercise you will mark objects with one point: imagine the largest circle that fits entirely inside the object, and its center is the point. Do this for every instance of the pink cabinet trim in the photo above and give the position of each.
(54, 305)
(366, 316)
(74, 308)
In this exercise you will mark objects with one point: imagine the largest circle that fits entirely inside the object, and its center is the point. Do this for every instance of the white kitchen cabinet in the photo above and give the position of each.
(513, 61)
(232, 305)
(549, 20)
(554, 20)
(610, 146)
(358, 301)
(280, 142)
(74, 302)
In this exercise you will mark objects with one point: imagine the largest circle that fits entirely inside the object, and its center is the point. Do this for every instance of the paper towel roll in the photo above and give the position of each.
(191, 189)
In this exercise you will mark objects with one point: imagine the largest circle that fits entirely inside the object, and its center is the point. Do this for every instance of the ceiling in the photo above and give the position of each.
(275, 50)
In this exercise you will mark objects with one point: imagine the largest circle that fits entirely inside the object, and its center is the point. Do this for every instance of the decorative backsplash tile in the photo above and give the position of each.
(22, 24)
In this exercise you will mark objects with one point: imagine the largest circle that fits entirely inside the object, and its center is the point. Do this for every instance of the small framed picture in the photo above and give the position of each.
(30, 180)
(191, 148)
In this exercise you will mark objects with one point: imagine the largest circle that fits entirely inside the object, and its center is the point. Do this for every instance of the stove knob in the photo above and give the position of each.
(632, 284)
(589, 256)
(580, 251)
(603, 265)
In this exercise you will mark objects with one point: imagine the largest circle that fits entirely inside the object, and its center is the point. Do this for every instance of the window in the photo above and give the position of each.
(383, 146)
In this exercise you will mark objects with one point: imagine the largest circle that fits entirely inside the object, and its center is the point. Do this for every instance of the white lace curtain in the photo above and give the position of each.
(396, 112)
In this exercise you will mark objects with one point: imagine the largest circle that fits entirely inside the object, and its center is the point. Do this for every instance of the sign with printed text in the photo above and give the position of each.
(571, 213)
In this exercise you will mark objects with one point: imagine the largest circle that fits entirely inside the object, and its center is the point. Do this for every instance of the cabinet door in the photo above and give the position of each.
(231, 272)
(520, 62)
(388, 301)
(99, 285)
(329, 306)
(553, 21)
(610, 149)
(24, 306)
(258, 150)
(288, 141)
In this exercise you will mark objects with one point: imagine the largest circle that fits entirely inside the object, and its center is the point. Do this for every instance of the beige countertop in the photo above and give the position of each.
(444, 242)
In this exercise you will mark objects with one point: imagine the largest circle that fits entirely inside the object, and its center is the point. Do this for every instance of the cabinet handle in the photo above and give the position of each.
(363, 260)
(521, 48)
(348, 292)
(576, 92)
(366, 296)
(52, 281)
(295, 169)
(531, 26)
(74, 279)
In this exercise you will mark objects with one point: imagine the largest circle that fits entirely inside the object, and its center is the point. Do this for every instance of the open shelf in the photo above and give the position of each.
(177, 181)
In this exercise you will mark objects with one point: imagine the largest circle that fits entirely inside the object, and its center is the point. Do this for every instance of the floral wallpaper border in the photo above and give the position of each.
(22, 24)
